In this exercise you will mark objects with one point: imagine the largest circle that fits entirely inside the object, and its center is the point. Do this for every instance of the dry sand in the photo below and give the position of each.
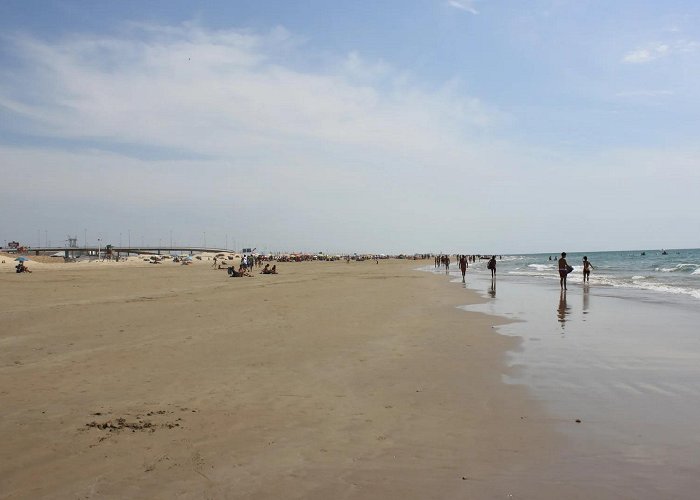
(329, 380)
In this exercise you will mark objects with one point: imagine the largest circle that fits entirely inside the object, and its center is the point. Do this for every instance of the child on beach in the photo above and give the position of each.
(587, 266)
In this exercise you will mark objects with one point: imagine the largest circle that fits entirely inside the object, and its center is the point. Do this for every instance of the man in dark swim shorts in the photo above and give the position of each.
(463, 265)
(564, 270)
(492, 266)
(587, 266)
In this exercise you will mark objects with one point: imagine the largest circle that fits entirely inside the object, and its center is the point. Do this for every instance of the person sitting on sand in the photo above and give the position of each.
(244, 271)
(236, 274)
(587, 266)
(268, 270)
(21, 268)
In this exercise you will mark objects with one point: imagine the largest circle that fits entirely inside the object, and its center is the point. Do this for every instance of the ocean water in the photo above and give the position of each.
(621, 355)
(676, 274)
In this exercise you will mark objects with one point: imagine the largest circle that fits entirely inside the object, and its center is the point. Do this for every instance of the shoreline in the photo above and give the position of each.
(624, 364)
(330, 379)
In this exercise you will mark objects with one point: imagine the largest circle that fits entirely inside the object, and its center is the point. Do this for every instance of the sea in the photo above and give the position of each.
(669, 274)
(616, 362)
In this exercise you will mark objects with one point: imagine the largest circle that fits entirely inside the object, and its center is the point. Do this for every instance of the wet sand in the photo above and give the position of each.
(624, 362)
(330, 380)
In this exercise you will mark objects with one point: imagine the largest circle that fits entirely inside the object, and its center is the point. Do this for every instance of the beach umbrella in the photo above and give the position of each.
(22, 259)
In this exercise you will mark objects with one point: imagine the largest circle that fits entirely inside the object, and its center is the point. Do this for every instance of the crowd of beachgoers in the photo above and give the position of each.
(237, 264)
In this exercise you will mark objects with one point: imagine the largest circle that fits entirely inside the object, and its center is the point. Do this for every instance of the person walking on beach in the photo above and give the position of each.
(564, 270)
(463, 265)
(492, 266)
(587, 266)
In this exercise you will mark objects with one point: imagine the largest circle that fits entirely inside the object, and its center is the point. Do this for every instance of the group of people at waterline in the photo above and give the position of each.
(464, 260)
(565, 269)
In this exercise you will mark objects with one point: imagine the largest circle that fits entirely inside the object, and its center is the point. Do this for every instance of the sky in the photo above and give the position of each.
(467, 126)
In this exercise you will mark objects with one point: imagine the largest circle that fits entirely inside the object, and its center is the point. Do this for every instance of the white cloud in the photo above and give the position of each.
(220, 93)
(466, 5)
(646, 55)
(638, 56)
(659, 50)
(357, 68)
(686, 46)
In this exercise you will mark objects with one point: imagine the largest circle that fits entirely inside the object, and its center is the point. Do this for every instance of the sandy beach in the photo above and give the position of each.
(483, 220)
(329, 380)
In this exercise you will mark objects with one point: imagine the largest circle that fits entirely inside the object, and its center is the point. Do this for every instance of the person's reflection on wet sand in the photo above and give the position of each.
(586, 301)
(492, 290)
(563, 309)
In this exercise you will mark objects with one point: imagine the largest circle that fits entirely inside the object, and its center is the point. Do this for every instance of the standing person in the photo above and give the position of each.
(447, 264)
(463, 265)
(492, 266)
(564, 270)
(587, 266)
